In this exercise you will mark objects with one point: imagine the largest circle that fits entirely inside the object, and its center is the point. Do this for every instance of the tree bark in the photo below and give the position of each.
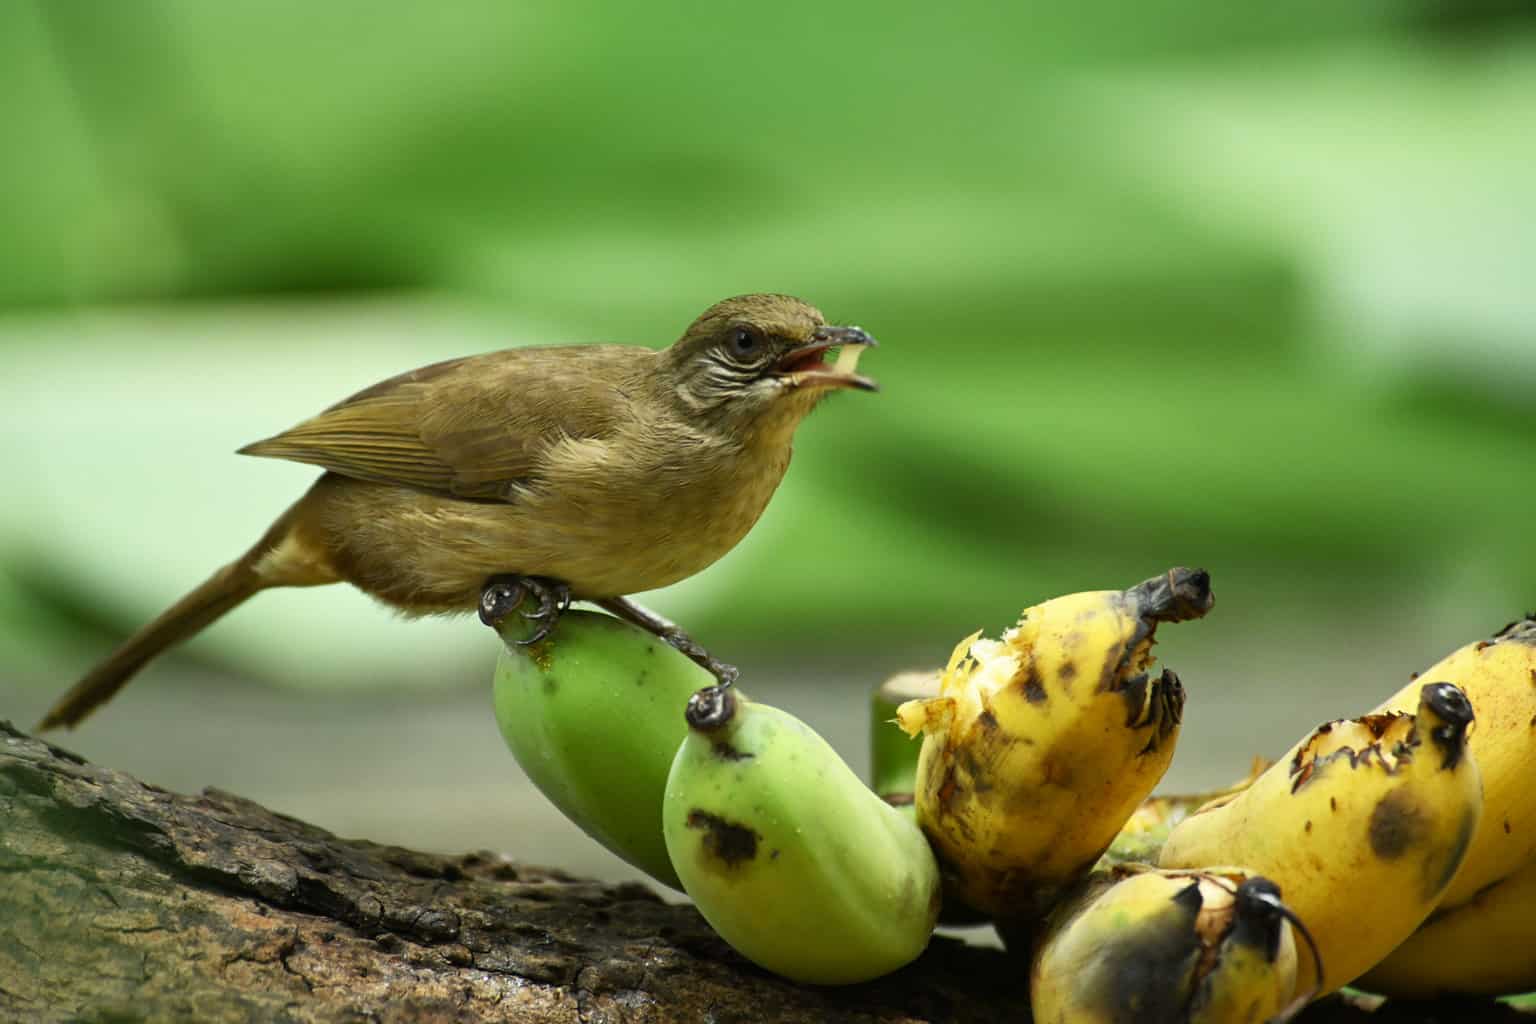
(122, 902)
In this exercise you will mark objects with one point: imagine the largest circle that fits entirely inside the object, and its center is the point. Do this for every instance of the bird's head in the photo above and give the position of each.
(756, 362)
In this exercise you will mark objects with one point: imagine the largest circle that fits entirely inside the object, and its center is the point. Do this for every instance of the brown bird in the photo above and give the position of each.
(584, 472)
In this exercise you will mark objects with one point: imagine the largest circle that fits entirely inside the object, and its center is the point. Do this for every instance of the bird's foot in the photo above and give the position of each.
(673, 634)
(725, 674)
(502, 595)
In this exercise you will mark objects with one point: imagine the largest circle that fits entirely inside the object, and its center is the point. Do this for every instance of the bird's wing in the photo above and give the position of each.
(472, 428)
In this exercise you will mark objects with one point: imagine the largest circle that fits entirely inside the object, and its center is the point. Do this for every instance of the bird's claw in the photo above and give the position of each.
(499, 597)
(502, 595)
(554, 600)
(725, 674)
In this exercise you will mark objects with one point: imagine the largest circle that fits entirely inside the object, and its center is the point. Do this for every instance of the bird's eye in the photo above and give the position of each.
(745, 341)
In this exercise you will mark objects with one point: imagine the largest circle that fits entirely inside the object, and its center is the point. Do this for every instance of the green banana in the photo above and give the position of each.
(787, 854)
(594, 714)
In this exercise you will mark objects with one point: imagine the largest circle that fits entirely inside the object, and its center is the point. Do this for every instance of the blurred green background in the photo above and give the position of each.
(1179, 282)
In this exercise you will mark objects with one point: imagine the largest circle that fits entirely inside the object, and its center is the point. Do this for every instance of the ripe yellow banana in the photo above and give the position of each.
(1499, 678)
(1142, 836)
(1485, 947)
(1363, 824)
(1167, 947)
(594, 714)
(787, 854)
(1042, 743)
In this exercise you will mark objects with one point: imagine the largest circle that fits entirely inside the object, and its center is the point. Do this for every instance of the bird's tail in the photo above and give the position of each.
(261, 567)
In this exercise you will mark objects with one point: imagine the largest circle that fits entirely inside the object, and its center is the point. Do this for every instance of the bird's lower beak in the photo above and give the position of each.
(806, 366)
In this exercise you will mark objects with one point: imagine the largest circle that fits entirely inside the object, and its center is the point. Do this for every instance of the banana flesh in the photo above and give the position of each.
(787, 854)
(1363, 824)
(1499, 678)
(1166, 947)
(1042, 743)
(594, 714)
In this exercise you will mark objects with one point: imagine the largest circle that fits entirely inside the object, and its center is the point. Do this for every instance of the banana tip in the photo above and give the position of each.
(711, 708)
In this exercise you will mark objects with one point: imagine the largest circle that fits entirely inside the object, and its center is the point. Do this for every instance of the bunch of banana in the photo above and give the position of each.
(787, 854)
(1363, 824)
(1041, 744)
(594, 714)
(1481, 938)
(1168, 947)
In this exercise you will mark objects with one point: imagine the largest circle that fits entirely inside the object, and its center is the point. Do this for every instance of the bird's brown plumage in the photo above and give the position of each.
(614, 469)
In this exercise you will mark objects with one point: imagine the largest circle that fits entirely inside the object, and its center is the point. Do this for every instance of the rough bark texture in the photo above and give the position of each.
(122, 902)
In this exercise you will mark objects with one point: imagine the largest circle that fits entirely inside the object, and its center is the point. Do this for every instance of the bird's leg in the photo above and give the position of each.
(672, 633)
(501, 596)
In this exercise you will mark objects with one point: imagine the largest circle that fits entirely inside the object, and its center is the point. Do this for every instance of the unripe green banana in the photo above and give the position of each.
(1041, 744)
(787, 854)
(1142, 946)
(594, 714)
(1363, 824)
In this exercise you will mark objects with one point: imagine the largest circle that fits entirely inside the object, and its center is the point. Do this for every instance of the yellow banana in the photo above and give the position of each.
(787, 854)
(1042, 743)
(1363, 824)
(1167, 947)
(594, 714)
(1254, 976)
(1486, 946)
(1142, 836)
(1499, 678)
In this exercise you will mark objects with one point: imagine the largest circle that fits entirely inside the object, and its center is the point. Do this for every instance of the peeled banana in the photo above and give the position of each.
(1363, 824)
(787, 854)
(1042, 743)
(1167, 947)
(594, 714)
(1499, 678)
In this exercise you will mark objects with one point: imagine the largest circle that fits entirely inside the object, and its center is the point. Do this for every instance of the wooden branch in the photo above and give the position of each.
(122, 902)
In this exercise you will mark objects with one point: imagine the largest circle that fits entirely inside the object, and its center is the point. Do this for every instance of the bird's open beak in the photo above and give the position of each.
(806, 366)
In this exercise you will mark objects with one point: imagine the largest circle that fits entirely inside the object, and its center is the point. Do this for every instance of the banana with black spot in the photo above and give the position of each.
(1498, 676)
(1142, 946)
(1041, 744)
(787, 854)
(1363, 824)
(594, 714)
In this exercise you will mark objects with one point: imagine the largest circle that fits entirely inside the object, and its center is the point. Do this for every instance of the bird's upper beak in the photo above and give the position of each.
(806, 365)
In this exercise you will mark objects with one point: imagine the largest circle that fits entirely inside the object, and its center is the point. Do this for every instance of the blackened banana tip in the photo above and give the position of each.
(1177, 595)
(711, 708)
